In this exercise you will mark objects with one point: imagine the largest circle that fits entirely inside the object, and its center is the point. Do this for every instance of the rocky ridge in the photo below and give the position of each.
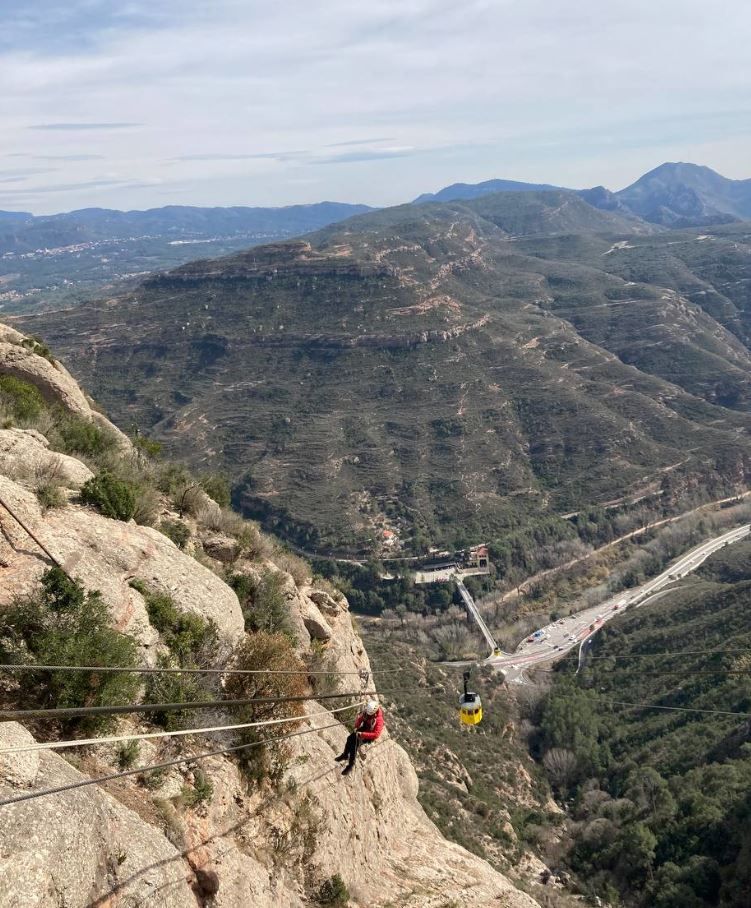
(126, 844)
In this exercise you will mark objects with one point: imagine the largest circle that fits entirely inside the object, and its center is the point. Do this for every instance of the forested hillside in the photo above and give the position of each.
(660, 797)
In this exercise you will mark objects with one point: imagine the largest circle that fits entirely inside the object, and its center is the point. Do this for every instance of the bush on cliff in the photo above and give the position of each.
(21, 400)
(271, 653)
(63, 624)
(263, 602)
(110, 496)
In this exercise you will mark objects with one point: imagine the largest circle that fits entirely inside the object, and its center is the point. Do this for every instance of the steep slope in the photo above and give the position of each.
(449, 369)
(687, 195)
(213, 834)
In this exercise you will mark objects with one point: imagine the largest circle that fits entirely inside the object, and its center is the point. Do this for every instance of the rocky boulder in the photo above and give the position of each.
(25, 455)
(222, 548)
(105, 555)
(54, 383)
(80, 848)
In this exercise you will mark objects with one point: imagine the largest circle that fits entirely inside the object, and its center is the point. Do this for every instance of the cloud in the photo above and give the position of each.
(359, 142)
(353, 157)
(76, 127)
(546, 91)
(273, 155)
(68, 187)
(68, 157)
(25, 172)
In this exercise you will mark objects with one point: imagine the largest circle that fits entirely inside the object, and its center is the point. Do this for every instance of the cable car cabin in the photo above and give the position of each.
(470, 709)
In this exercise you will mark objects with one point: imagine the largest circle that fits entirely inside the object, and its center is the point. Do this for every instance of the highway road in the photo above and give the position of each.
(553, 641)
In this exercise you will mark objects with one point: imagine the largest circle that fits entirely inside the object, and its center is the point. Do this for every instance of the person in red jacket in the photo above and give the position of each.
(368, 727)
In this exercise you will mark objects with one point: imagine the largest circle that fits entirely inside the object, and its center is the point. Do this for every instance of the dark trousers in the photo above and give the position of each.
(351, 747)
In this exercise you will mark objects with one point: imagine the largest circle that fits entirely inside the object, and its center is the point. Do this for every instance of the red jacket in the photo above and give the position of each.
(370, 727)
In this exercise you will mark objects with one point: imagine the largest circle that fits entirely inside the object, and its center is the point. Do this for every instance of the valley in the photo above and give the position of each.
(444, 372)
(62, 260)
(567, 384)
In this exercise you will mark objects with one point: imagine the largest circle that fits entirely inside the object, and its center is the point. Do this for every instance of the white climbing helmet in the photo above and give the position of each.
(371, 707)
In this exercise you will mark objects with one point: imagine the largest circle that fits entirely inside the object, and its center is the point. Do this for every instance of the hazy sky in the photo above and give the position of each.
(132, 104)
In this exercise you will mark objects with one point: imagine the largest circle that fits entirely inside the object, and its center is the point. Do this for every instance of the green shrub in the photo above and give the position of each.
(50, 496)
(146, 506)
(127, 754)
(273, 653)
(20, 398)
(148, 446)
(63, 624)
(38, 346)
(110, 496)
(174, 688)
(173, 478)
(154, 778)
(333, 892)
(79, 436)
(263, 602)
(201, 791)
(188, 636)
(218, 488)
(177, 531)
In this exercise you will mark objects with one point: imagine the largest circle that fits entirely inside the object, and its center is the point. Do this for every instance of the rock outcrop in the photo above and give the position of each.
(81, 847)
(106, 555)
(25, 455)
(128, 844)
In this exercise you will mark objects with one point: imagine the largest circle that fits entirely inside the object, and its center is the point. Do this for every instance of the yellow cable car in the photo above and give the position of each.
(470, 705)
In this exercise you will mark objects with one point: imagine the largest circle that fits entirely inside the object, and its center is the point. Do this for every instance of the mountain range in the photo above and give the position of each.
(60, 260)
(447, 370)
(23, 232)
(672, 195)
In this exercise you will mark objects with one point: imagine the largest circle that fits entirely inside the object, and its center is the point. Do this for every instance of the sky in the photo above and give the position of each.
(135, 104)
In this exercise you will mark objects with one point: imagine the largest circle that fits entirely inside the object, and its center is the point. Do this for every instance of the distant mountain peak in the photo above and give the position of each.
(680, 194)
(462, 191)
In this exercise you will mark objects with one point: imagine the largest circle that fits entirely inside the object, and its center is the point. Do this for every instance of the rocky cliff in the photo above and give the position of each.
(139, 841)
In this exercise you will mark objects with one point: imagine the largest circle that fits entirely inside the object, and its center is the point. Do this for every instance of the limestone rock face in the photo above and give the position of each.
(25, 455)
(70, 848)
(54, 382)
(105, 555)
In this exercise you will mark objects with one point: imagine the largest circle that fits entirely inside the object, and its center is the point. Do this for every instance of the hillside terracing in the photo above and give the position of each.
(454, 369)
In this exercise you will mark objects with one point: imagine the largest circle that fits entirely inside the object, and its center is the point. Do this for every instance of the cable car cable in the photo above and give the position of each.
(683, 709)
(60, 789)
(117, 739)
(20, 666)
(76, 711)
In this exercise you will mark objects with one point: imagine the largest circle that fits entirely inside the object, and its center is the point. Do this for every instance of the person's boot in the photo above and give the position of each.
(341, 758)
(348, 769)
